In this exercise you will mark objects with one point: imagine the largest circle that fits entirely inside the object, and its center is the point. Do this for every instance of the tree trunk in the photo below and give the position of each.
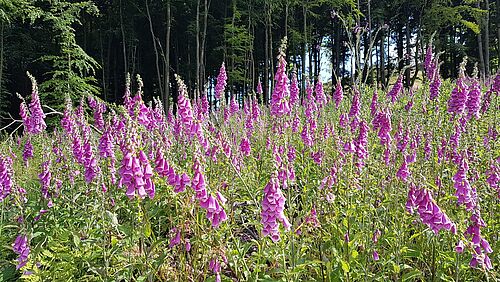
(197, 83)
(166, 96)
(203, 41)
(157, 63)
(498, 31)
(123, 41)
(1, 54)
(400, 45)
(338, 42)
(482, 68)
(408, 54)
(304, 50)
(382, 58)
(266, 65)
(487, 38)
(271, 51)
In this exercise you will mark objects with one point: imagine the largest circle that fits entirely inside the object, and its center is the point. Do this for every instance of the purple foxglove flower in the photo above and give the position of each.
(259, 87)
(280, 105)
(6, 174)
(428, 62)
(45, 178)
(375, 256)
(176, 239)
(396, 89)
(338, 95)
(435, 86)
(403, 171)
(320, 94)
(382, 123)
(21, 247)
(464, 192)
(294, 90)
(33, 116)
(458, 98)
(28, 151)
(361, 144)
(221, 82)
(473, 100)
(245, 147)
(273, 204)
(460, 247)
(356, 105)
(420, 199)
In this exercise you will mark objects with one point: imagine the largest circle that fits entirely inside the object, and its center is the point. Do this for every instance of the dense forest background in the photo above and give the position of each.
(82, 47)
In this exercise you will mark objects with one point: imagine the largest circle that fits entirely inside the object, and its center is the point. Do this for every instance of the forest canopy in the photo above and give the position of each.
(88, 47)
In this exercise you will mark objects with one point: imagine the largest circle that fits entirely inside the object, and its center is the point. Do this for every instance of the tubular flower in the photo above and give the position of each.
(6, 173)
(382, 123)
(21, 248)
(396, 89)
(320, 94)
(493, 178)
(273, 205)
(481, 247)
(458, 98)
(430, 213)
(106, 147)
(136, 173)
(33, 116)
(435, 86)
(215, 213)
(185, 110)
(403, 171)
(361, 144)
(179, 182)
(294, 90)
(28, 150)
(473, 100)
(356, 105)
(428, 62)
(338, 95)
(45, 178)
(281, 93)
(245, 147)
(221, 82)
(259, 88)
(465, 193)
(234, 107)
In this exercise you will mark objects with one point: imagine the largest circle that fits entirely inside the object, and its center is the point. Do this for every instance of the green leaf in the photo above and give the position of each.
(411, 275)
(345, 266)
(472, 26)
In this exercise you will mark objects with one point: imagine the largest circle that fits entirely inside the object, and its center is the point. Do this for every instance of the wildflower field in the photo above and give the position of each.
(358, 184)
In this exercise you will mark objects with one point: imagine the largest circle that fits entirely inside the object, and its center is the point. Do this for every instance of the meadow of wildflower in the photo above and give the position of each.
(359, 184)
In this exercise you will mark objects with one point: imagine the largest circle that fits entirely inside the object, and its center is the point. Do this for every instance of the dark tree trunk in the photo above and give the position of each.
(382, 58)
(482, 68)
(487, 38)
(166, 101)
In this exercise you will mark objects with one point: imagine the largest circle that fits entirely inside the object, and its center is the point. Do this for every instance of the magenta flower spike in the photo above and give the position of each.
(280, 99)
(294, 90)
(421, 201)
(473, 100)
(33, 116)
(221, 82)
(273, 204)
(21, 247)
(338, 95)
(6, 174)
(320, 94)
